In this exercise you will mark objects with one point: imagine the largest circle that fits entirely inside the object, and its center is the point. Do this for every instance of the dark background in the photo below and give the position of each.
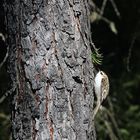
(117, 49)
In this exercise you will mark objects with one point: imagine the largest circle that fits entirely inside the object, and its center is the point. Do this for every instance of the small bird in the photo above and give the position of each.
(101, 85)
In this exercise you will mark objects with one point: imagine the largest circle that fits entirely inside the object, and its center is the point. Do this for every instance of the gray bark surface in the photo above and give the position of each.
(51, 66)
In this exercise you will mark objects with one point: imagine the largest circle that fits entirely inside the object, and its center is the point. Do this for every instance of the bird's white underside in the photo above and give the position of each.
(97, 83)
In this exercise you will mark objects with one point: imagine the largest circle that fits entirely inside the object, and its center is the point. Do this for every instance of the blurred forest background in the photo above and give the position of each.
(115, 28)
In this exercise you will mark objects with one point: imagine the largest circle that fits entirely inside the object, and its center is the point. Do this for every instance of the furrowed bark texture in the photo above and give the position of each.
(50, 64)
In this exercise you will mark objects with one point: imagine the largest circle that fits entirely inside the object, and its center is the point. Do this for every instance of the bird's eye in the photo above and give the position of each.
(101, 73)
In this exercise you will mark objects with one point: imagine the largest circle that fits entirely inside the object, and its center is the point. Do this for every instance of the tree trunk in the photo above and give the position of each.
(51, 67)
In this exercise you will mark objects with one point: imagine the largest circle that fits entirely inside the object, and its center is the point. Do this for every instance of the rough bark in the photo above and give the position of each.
(51, 66)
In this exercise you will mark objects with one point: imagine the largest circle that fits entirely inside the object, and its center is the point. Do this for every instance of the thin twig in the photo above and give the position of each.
(5, 58)
(110, 131)
(111, 115)
(2, 36)
(108, 125)
(103, 7)
(9, 92)
(115, 8)
(130, 53)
